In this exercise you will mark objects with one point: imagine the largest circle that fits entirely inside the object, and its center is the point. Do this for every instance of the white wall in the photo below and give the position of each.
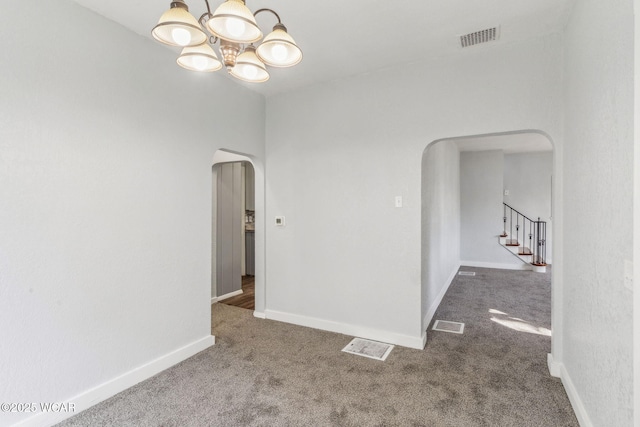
(598, 213)
(338, 153)
(106, 149)
(636, 217)
(481, 210)
(440, 223)
(527, 177)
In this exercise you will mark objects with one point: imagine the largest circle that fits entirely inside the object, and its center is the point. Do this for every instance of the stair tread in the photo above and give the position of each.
(538, 261)
(523, 250)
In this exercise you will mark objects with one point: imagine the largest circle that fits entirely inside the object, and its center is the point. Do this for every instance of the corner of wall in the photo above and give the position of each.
(554, 367)
(102, 392)
(558, 370)
(436, 303)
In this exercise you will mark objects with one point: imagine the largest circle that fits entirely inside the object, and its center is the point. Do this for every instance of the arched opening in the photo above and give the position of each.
(245, 236)
(465, 181)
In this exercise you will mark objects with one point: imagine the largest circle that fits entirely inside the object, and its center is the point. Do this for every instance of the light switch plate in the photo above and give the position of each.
(280, 221)
(506, 192)
(398, 201)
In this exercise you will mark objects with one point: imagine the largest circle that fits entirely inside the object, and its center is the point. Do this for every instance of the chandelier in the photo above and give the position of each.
(234, 27)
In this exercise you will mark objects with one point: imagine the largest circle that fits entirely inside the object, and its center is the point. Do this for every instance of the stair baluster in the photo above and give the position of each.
(537, 235)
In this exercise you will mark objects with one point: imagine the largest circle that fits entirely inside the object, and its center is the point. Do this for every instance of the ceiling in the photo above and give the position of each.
(342, 38)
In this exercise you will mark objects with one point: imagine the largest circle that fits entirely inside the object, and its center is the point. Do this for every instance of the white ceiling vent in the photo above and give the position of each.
(482, 36)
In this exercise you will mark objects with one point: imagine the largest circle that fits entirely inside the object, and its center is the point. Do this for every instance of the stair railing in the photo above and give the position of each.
(537, 234)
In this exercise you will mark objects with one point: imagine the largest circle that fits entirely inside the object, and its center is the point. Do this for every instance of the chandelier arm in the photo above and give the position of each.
(267, 10)
(202, 19)
(207, 14)
(208, 8)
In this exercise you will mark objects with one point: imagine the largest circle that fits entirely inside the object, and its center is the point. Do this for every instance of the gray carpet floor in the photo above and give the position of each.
(266, 373)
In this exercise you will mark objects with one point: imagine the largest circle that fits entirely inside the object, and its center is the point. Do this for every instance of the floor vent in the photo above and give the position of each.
(371, 349)
(446, 326)
(466, 273)
(479, 37)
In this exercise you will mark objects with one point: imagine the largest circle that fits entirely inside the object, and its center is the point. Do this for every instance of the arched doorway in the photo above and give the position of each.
(442, 250)
(255, 222)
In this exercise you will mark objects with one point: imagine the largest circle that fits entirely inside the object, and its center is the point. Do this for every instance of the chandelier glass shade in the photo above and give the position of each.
(199, 58)
(177, 27)
(233, 21)
(278, 48)
(234, 27)
(249, 67)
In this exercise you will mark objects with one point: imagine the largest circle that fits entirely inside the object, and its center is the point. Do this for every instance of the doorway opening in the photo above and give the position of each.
(234, 191)
(465, 183)
(235, 261)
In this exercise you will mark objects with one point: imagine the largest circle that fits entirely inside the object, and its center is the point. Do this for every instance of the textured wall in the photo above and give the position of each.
(598, 176)
(440, 222)
(338, 153)
(105, 182)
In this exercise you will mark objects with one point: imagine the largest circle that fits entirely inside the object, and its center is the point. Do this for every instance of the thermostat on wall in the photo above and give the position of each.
(280, 221)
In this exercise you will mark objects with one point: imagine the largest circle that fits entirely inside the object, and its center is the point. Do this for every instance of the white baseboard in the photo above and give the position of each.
(558, 370)
(501, 266)
(555, 369)
(229, 295)
(348, 329)
(436, 303)
(114, 386)
(259, 315)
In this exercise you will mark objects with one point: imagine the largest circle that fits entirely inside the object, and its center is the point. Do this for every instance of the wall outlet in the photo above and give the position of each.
(506, 192)
(280, 221)
(398, 201)
(628, 274)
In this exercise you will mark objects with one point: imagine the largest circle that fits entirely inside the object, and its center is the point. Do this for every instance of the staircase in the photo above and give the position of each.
(525, 238)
